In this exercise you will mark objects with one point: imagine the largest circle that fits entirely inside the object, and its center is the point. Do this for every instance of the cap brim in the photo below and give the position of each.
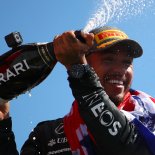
(135, 49)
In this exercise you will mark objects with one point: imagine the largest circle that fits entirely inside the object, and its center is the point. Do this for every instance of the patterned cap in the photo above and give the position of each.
(108, 37)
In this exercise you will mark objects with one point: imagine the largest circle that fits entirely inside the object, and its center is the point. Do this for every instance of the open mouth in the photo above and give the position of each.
(118, 82)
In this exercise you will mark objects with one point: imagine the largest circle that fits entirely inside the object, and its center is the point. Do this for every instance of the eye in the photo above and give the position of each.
(108, 60)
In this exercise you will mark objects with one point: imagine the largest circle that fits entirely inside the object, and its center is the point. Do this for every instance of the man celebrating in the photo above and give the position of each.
(107, 116)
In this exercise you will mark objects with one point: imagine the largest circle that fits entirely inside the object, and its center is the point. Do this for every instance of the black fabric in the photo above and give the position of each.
(46, 139)
(7, 139)
(111, 131)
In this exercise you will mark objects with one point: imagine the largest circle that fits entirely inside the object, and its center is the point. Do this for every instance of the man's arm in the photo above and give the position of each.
(111, 130)
(109, 127)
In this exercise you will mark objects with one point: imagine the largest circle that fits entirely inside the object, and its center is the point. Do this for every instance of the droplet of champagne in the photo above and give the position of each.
(115, 11)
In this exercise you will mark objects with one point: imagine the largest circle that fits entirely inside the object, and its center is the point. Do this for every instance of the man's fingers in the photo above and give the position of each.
(89, 38)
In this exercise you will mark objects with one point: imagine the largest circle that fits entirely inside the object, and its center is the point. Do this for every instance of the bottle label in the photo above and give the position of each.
(46, 56)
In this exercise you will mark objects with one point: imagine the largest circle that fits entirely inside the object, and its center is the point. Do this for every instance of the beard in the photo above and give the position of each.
(117, 99)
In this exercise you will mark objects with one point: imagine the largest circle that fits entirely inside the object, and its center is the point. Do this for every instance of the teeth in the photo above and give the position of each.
(116, 82)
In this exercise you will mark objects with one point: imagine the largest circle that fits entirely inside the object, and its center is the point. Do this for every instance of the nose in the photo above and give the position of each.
(118, 69)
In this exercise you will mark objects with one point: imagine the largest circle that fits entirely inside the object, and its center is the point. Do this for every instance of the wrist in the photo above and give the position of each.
(81, 60)
(78, 70)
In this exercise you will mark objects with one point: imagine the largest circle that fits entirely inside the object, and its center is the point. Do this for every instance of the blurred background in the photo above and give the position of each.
(40, 21)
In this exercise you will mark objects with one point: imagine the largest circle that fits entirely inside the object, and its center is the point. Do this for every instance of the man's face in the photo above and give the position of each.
(115, 70)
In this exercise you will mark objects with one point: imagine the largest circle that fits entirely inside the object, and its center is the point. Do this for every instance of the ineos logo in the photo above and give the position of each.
(105, 115)
(106, 118)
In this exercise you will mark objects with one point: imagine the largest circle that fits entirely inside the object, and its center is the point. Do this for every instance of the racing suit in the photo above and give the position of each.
(49, 138)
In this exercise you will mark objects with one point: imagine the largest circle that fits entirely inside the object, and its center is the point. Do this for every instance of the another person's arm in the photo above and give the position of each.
(7, 139)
